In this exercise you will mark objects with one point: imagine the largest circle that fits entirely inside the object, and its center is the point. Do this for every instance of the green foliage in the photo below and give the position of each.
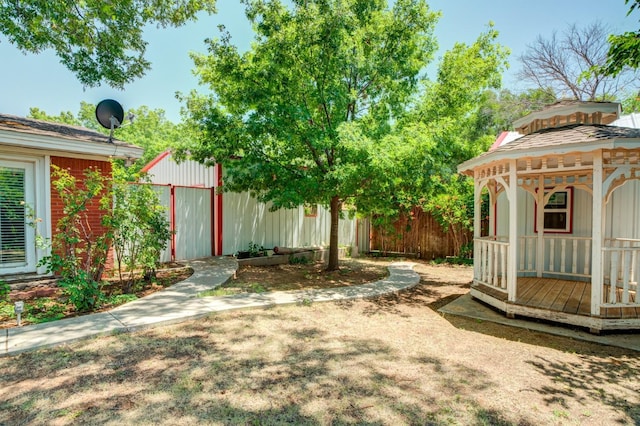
(98, 41)
(119, 299)
(624, 49)
(5, 289)
(84, 293)
(257, 288)
(76, 245)
(43, 310)
(503, 107)
(132, 221)
(298, 260)
(255, 250)
(65, 117)
(275, 120)
(631, 103)
(79, 252)
(447, 126)
(229, 289)
(452, 206)
(152, 131)
(139, 229)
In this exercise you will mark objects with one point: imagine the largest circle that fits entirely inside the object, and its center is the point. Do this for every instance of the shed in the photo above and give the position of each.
(564, 235)
(208, 222)
(28, 150)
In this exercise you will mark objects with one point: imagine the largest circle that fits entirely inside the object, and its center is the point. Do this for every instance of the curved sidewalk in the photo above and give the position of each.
(180, 302)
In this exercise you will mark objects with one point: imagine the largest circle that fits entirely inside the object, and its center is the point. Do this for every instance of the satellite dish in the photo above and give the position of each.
(109, 114)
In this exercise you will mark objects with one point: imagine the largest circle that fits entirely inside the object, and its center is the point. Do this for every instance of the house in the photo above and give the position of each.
(564, 219)
(28, 150)
(208, 222)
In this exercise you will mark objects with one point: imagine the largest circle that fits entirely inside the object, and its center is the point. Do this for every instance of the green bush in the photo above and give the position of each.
(139, 227)
(4, 291)
(85, 294)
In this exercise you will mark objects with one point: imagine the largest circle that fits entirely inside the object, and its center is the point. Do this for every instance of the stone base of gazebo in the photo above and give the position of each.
(559, 301)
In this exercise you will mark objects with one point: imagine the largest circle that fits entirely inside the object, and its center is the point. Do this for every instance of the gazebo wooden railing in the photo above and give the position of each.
(621, 260)
(568, 257)
(491, 269)
(563, 255)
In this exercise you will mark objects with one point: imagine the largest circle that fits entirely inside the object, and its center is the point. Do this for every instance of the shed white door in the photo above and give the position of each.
(17, 239)
(193, 231)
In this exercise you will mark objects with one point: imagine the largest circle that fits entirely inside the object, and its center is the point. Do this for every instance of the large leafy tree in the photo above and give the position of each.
(445, 126)
(624, 49)
(503, 107)
(283, 116)
(150, 128)
(100, 41)
(448, 125)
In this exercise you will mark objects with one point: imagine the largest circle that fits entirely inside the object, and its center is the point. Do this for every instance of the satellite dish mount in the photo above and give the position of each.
(110, 115)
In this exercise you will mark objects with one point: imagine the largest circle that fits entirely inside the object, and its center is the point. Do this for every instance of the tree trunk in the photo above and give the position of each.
(336, 206)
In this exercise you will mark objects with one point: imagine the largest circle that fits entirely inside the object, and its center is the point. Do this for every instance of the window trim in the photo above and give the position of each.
(568, 229)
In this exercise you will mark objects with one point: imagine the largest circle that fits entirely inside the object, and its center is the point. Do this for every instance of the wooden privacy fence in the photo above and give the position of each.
(418, 235)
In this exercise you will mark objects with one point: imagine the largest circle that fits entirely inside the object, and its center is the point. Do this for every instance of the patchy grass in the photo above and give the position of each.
(388, 361)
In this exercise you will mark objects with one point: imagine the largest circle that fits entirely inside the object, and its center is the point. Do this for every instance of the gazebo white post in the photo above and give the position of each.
(596, 235)
(477, 223)
(540, 227)
(512, 263)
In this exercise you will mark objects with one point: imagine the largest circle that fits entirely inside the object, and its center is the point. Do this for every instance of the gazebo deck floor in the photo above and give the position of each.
(557, 295)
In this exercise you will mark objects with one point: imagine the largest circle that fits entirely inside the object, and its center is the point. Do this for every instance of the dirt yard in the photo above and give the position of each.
(392, 360)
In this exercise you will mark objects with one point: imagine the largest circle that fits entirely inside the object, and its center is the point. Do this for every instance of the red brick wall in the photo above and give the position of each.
(76, 168)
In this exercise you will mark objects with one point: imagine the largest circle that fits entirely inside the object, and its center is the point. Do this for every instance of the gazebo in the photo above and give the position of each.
(563, 240)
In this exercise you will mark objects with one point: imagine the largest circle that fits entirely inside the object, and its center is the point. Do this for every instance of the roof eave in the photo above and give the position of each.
(468, 166)
(582, 107)
(118, 150)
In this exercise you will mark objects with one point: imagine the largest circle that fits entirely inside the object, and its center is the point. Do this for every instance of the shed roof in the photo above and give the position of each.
(63, 137)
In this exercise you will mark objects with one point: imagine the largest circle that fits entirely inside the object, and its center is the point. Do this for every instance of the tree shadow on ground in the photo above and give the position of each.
(231, 371)
(611, 381)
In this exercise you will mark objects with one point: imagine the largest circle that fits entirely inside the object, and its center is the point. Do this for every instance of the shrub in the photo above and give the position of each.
(4, 291)
(78, 252)
(139, 227)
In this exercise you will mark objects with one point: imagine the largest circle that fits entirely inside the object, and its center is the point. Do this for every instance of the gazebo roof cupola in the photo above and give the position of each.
(564, 113)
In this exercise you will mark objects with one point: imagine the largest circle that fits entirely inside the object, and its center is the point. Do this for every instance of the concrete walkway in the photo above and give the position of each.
(180, 302)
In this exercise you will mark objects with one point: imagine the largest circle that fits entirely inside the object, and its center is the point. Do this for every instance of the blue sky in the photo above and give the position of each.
(40, 81)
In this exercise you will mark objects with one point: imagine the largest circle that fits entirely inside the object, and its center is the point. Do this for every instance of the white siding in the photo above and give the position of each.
(248, 221)
(502, 215)
(622, 218)
(623, 212)
(244, 220)
(581, 214)
(187, 173)
(164, 196)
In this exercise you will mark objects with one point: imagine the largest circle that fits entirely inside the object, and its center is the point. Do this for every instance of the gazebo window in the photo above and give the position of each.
(558, 212)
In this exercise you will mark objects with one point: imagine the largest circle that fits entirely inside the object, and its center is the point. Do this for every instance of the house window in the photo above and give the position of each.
(17, 239)
(310, 210)
(12, 217)
(558, 212)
